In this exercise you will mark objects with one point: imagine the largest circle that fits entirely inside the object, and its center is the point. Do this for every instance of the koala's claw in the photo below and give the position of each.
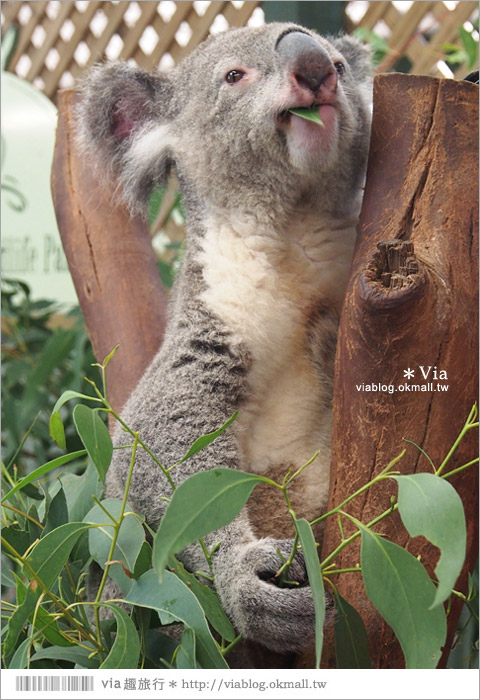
(268, 568)
(283, 618)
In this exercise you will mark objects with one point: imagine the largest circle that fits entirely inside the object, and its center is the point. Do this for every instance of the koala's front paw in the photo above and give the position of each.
(267, 556)
(282, 619)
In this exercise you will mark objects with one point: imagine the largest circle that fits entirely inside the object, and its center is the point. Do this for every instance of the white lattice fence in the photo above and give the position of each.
(58, 40)
(417, 30)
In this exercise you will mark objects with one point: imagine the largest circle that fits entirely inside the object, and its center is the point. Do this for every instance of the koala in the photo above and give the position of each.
(272, 202)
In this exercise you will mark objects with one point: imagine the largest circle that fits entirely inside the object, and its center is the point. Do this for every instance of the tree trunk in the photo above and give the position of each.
(411, 303)
(111, 261)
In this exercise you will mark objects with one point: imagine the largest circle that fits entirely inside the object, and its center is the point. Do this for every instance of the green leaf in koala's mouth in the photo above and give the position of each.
(309, 114)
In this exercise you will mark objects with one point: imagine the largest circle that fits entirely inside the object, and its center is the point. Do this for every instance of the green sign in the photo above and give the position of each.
(31, 248)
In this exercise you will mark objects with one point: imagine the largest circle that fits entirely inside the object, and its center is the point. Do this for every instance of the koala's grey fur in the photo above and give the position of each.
(272, 204)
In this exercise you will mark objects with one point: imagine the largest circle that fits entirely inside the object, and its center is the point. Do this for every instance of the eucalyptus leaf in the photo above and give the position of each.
(47, 559)
(201, 504)
(32, 492)
(20, 657)
(205, 440)
(207, 599)
(75, 654)
(159, 648)
(57, 513)
(18, 539)
(125, 650)
(68, 396)
(185, 657)
(470, 46)
(310, 115)
(49, 555)
(402, 592)
(351, 642)
(6, 578)
(44, 622)
(174, 602)
(95, 436)
(315, 580)
(57, 431)
(430, 506)
(79, 490)
(44, 469)
(109, 356)
(143, 560)
(53, 355)
(32, 522)
(130, 541)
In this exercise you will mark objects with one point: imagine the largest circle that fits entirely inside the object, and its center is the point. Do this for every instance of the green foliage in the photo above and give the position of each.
(402, 592)
(54, 529)
(129, 543)
(125, 649)
(42, 353)
(378, 46)
(208, 600)
(431, 507)
(170, 253)
(464, 653)
(203, 503)
(310, 115)
(466, 53)
(314, 573)
(174, 602)
(95, 436)
(351, 644)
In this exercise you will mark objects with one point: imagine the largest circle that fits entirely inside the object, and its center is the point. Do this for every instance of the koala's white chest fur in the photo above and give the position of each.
(265, 287)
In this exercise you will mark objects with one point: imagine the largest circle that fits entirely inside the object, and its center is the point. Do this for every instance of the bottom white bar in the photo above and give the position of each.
(251, 684)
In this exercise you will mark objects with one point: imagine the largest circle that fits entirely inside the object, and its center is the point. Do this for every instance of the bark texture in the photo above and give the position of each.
(411, 302)
(111, 261)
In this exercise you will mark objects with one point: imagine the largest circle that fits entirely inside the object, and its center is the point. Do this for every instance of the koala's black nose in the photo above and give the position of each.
(308, 61)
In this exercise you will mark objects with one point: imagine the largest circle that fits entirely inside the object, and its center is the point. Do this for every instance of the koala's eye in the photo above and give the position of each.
(234, 76)
(340, 68)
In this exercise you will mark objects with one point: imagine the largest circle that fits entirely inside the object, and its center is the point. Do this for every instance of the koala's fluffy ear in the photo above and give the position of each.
(123, 125)
(357, 55)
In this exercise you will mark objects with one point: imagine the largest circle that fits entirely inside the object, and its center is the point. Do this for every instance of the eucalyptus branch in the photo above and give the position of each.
(357, 534)
(470, 423)
(208, 555)
(460, 469)
(141, 444)
(288, 479)
(386, 473)
(20, 512)
(108, 409)
(32, 629)
(6, 474)
(283, 570)
(116, 530)
(100, 505)
(232, 644)
(64, 610)
(350, 569)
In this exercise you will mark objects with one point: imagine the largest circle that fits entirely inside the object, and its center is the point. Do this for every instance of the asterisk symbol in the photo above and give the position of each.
(408, 373)
(173, 684)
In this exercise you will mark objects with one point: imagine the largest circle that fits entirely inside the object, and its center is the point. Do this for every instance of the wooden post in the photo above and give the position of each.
(111, 261)
(411, 303)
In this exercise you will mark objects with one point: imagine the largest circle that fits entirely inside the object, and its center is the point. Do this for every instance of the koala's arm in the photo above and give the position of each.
(192, 387)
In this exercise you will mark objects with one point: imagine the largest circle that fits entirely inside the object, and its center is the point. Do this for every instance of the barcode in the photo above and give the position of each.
(53, 683)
